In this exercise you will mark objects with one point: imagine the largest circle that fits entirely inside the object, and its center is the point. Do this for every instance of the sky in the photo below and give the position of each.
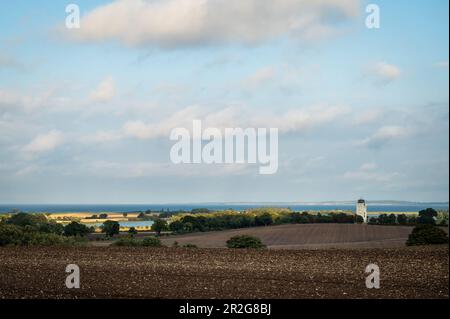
(86, 114)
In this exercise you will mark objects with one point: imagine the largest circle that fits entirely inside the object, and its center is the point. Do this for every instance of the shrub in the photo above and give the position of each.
(25, 219)
(128, 242)
(13, 235)
(76, 229)
(43, 239)
(10, 235)
(151, 242)
(51, 228)
(427, 235)
(244, 241)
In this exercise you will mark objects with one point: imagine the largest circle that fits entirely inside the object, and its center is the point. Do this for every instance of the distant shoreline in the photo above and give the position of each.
(373, 207)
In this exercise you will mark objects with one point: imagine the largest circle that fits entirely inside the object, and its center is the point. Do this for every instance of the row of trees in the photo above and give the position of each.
(234, 220)
(425, 217)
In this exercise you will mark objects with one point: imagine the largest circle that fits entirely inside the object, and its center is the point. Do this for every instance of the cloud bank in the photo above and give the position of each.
(187, 23)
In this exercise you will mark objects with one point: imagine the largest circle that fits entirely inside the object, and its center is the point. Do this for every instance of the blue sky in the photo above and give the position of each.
(85, 115)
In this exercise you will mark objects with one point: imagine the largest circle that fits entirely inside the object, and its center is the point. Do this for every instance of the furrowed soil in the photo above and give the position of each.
(301, 236)
(140, 272)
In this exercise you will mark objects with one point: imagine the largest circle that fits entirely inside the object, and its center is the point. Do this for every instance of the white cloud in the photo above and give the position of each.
(187, 23)
(367, 172)
(44, 142)
(368, 166)
(296, 120)
(13, 100)
(260, 77)
(151, 169)
(104, 92)
(385, 135)
(182, 118)
(100, 137)
(367, 117)
(385, 73)
(442, 64)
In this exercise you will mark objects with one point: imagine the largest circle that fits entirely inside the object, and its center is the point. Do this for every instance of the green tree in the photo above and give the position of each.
(159, 225)
(392, 219)
(402, 219)
(264, 219)
(51, 228)
(141, 215)
(176, 226)
(359, 219)
(110, 228)
(426, 216)
(132, 231)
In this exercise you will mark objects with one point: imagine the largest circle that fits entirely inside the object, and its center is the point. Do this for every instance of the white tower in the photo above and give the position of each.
(361, 209)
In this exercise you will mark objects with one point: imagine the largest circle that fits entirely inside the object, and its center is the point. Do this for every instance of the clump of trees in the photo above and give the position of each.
(77, 229)
(22, 229)
(427, 234)
(245, 241)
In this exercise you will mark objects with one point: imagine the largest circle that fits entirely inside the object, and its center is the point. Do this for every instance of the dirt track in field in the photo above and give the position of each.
(309, 236)
(122, 272)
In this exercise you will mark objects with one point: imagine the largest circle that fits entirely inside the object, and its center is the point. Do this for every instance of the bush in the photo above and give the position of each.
(151, 242)
(13, 235)
(245, 241)
(43, 239)
(25, 219)
(10, 235)
(190, 246)
(132, 242)
(427, 235)
(127, 242)
(51, 228)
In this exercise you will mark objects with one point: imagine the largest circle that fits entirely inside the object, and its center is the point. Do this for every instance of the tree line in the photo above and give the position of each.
(233, 220)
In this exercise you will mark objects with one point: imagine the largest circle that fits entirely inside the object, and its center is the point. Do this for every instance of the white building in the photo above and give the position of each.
(361, 209)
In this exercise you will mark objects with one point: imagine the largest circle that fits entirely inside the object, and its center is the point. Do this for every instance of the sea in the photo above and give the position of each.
(122, 208)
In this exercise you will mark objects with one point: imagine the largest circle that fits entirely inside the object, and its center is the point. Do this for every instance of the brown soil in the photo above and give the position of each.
(309, 236)
(121, 272)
